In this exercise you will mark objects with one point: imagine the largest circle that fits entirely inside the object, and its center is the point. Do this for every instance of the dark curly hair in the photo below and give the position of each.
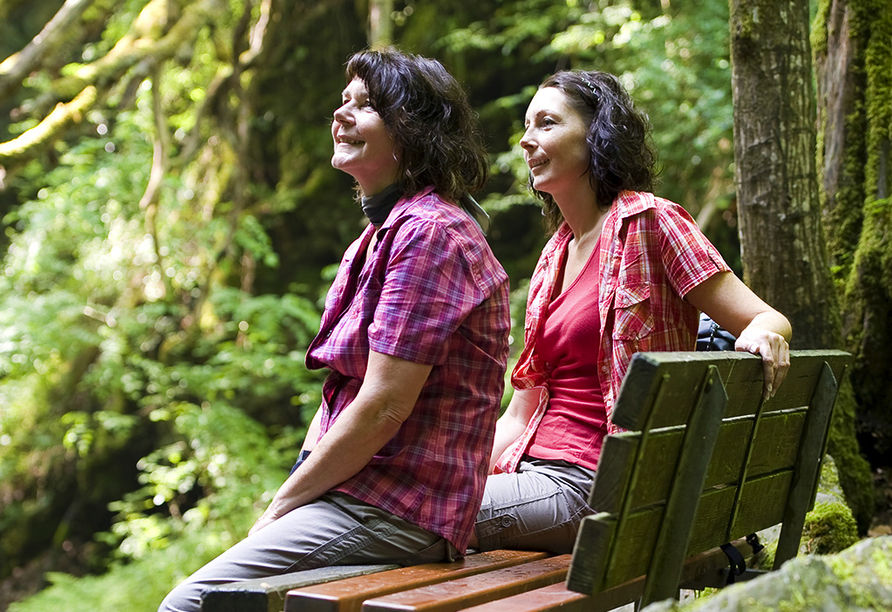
(622, 155)
(428, 114)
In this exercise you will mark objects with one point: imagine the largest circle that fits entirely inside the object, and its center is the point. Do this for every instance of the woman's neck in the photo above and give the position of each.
(582, 215)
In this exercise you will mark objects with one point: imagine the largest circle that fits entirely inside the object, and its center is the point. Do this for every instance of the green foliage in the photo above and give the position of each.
(138, 586)
(220, 450)
(676, 63)
(148, 393)
(151, 348)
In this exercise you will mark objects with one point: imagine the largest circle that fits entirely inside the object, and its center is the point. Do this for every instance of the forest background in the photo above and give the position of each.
(171, 223)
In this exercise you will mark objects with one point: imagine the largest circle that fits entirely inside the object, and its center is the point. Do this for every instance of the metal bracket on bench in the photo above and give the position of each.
(738, 569)
(720, 577)
(738, 564)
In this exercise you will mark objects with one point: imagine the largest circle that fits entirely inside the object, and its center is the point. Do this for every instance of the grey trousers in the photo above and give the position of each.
(336, 529)
(538, 507)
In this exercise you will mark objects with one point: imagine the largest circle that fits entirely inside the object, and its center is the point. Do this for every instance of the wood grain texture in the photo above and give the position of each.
(348, 595)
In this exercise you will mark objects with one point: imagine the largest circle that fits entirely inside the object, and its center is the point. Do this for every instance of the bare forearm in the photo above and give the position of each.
(772, 321)
(385, 400)
(513, 423)
(330, 464)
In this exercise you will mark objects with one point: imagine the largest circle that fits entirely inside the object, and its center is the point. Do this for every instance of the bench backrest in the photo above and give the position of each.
(703, 461)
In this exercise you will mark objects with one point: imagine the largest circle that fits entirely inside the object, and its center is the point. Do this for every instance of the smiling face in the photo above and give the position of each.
(363, 148)
(554, 144)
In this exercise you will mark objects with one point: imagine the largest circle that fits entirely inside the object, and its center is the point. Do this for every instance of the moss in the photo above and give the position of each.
(878, 67)
(818, 31)
(853, 470)
(867, 572)
(829, 528)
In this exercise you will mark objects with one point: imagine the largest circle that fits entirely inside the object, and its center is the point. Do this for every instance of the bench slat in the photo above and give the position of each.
(473, 590)
(348, 595)
(268, 594)
(775, 449)
(680, 513)
(741, 373)
(808, 468)
(551, 597)
(557, 597)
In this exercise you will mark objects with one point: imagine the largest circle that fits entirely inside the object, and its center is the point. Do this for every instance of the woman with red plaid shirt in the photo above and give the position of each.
(624, 271)
(415, 338)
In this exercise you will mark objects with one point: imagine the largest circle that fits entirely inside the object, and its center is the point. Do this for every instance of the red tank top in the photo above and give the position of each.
(575, 424)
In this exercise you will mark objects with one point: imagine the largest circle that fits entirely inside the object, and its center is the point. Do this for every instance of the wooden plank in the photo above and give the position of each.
(777, 443)
(559, 597)
(762, 503)
(348, 595)
(588, 572)
(614, 473)
(681, 507)
(775, 448)
(592, 570)
(640, 387)
(474, 590)
(268, 594)
(808, 466)
(551, 597)
(741, 372)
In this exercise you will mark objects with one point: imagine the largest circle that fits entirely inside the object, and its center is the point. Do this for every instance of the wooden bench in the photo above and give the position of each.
(703, 462)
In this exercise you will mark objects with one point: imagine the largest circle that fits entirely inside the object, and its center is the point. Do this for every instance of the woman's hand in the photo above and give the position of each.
(265, 519)
(759, 328)
(775, 353)
(386, 399)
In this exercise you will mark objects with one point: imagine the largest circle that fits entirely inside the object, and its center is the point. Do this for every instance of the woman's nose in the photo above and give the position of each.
(526, 141)
(342, 115)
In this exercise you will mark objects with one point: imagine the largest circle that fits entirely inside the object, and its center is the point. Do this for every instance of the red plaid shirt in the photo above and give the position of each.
(651, 254)
(433, 293)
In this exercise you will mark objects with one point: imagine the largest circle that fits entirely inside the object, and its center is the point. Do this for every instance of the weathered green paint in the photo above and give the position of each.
(642, 528)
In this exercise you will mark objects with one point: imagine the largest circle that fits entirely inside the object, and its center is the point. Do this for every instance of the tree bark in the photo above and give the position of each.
(782, 239)
(853, 54)
(781, 231)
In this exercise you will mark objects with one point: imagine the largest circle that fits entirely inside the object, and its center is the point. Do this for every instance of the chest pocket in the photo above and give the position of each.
(634, 317)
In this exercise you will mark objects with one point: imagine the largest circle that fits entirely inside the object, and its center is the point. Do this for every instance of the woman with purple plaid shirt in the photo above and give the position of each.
(625, 271)
(415, 338)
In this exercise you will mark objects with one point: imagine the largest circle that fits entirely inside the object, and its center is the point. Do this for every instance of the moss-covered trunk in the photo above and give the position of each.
(781, 231)
(853, 56)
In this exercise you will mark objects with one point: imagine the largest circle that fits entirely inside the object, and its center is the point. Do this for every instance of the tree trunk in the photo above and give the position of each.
(781, 234)
(782, 242)
(380, 23)
(853, 54)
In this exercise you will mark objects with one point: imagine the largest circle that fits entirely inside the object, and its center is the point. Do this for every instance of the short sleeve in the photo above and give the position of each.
(430, 287)
(688, 256)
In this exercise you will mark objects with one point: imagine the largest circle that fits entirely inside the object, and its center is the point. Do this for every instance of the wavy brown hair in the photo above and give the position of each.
(621, 152)
(428, 114)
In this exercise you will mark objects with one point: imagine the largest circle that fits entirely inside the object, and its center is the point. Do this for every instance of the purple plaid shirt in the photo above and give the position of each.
(433, 293)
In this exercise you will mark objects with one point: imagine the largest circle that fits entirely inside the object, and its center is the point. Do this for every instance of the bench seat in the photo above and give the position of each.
(348, 595)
